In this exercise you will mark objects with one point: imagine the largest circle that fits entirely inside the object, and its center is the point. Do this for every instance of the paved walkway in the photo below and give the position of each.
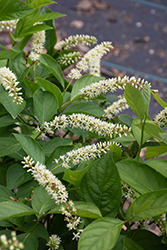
(138, 33)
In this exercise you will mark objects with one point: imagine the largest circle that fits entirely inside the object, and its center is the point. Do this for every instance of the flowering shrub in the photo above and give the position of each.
(74, 173)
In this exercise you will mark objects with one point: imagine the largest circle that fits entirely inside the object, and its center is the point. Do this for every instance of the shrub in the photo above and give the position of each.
(71, 170)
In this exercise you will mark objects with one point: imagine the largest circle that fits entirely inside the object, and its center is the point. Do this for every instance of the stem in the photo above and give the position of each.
(67, 87)
(22, 120)
(56, 167)
(34, 71)
(66, 104)
(141, 141)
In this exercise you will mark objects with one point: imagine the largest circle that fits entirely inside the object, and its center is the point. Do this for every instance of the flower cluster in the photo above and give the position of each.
(56, 189)
(160, 222)
(127, 192)
(72, 221)
(54, 242)
(11, 244)
(111, 85)
(144, 224)
(115, 108)
(8, 25)
(69, 58)
(9, 82)
(161, 118)
(38, 40)
(85, 122)
(91, 61)
(86, 153)
(52, 184)
(73, 41)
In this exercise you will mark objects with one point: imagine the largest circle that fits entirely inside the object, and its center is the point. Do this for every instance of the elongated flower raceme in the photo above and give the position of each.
(116, 108)
(86, 153)
(9, 81)
(73, 41)
(85, 122)
(38, 40)
(111, 85)
(161, 118)
(91, 61)
(46, 179)
(56, 189)
(8, 25)
(69, 58)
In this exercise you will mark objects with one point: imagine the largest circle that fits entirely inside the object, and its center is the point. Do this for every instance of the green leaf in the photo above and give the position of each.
(51, 88)
(17, 175)
(140, 177)
(159, 100)
(3, 175)
(83, 82)
(146, 93)
(159, 165)
(20, 46)
(74, 177)
(42, 202)
(31, 147)
(155, 151)
(40, 3)
(26, 189)
(7, 101)
(57, 152)
(10, 209)
(55, 142)
(126, 244)
(3, 62)
(155, 131)
(84, 209)
(8, 145)
(88, 210)
(7, 120)
(117, 152)
(51, 38)
(126, 119)
(5, 193)
(148, 205)
(17, 65)
(30, 85)
(100, 234)
(42, 71)
(134, 99)
(146, 239)
(32, 29)
(38, 231)
(45, 105)
(13, 10)
(29, 240)
(85, 108)
(125, 140)
(101, 186)
(53, 66)
(137, 130)
(45, 17)
(7, 54)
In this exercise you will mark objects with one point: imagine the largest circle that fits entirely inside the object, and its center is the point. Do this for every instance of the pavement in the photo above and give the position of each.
(138, 33)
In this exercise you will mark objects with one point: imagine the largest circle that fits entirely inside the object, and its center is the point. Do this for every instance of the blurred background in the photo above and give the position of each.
(137, 29)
